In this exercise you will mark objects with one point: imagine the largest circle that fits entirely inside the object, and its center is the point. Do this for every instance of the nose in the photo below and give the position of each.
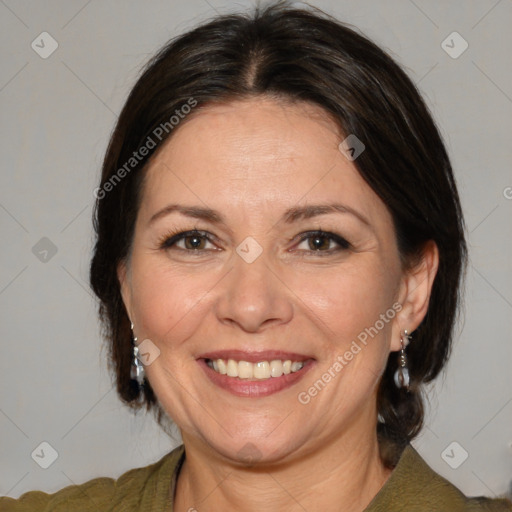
(253, 297)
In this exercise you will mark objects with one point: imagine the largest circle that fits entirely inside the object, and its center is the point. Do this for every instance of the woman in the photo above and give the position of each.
(279, 251)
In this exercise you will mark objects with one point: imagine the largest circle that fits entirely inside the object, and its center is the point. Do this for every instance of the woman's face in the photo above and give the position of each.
(289, 257)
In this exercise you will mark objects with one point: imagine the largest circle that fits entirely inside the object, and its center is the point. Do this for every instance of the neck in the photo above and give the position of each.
(346, 472)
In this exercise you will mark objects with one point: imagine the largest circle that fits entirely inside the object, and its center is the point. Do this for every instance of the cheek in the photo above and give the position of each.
(168, 302)
(351, 303)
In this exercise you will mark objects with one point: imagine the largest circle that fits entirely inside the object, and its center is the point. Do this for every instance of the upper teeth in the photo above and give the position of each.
(260, 370)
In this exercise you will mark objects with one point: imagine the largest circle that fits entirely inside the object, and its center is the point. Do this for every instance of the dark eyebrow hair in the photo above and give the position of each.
(197, 212)
(308, 211)
(291, 215)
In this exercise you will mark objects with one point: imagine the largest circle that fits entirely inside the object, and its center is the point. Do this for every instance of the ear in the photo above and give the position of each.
(414, 294)
(123, 276)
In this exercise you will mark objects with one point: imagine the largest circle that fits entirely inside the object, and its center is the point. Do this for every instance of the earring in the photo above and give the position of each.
(137, 369)
(402, 373)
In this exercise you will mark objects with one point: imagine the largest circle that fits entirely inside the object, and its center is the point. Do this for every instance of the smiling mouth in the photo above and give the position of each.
(262, 370)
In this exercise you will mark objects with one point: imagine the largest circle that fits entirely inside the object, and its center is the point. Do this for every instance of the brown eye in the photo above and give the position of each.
(319, 242)
(192, 241)
(322, 242)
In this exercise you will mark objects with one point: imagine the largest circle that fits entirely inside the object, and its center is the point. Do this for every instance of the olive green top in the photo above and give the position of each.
(412, 487)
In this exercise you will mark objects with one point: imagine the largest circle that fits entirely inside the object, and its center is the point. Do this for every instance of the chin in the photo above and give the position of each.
(257, 451)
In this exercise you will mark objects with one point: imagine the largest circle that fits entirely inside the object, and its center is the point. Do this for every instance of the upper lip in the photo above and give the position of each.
(254, 356)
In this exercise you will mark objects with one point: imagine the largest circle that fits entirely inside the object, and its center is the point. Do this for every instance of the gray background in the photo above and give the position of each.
(57, 114)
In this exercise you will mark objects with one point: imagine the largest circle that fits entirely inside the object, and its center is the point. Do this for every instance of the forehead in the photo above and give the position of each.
(256, 155)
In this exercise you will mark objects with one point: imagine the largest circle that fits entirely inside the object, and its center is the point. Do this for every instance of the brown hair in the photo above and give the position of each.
(300, 55)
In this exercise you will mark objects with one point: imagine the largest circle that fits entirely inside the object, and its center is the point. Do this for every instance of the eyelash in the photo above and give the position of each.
(170, 239)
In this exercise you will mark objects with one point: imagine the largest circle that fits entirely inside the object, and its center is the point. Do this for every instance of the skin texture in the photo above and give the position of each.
(251, 161)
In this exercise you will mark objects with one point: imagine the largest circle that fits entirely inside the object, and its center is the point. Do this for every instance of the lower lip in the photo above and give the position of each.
(254, 388)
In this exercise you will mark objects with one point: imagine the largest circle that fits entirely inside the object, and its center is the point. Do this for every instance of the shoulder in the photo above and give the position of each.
(415, 487)
(93, 495)
(136, 489)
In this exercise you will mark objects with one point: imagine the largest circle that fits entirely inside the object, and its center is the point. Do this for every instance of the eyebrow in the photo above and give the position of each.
(291, 215)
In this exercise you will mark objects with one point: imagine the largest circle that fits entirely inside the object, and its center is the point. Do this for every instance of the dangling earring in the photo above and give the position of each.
(402, 373)
(137, 369)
